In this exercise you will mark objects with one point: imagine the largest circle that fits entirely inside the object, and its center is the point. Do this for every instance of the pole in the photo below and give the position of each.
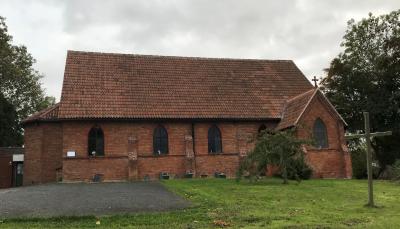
(369, 160)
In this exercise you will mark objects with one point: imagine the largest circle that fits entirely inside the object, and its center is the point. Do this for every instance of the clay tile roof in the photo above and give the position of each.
(104, 85)
(294, 107)
(48, 114)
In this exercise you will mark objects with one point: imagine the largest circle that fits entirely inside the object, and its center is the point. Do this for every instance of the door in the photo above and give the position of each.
(18, 173)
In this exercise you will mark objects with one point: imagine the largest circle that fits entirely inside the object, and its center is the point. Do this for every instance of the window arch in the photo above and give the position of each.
(214, 140)
(160, 141)
(320, 134)
(96, 142)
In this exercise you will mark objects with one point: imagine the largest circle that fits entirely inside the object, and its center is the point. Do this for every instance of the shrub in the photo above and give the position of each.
(281, 148)
(358, 154)
(358, 160)
(299, 169)
(392, 172)
(396, 170)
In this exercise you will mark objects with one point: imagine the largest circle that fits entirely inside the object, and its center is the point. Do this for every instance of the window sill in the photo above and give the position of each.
(209, 153)
(94, 158)
(160, 155)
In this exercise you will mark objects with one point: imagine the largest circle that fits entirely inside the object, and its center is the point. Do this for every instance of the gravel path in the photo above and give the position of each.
(87, 199)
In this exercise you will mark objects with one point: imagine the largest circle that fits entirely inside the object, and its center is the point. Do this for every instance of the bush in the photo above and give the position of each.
(280, 148)
(392, 172)
(299, 169)
(358, 161)
(358, 154)
(396, 170)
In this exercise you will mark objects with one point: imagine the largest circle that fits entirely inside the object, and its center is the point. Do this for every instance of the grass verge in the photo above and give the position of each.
(265, 204)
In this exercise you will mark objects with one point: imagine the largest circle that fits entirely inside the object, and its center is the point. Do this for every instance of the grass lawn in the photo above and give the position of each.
(265, 204)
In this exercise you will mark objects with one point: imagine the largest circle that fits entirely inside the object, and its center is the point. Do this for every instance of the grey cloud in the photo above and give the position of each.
(307, 31)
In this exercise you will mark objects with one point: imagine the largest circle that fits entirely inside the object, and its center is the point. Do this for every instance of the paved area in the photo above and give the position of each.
(87, 199)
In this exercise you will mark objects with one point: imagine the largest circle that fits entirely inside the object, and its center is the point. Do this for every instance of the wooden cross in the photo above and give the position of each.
(315, 81)
(367, 135)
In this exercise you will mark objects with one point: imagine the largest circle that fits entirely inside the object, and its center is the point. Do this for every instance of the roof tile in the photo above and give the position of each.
(104, 85)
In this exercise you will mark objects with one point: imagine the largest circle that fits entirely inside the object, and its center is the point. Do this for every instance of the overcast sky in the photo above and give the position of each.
(308, 32)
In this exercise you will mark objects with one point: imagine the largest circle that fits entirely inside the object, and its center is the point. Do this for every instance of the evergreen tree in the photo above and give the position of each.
(366, 77)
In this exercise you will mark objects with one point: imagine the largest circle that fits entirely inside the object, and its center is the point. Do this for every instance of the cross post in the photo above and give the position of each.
(367, 135)
(315, 81)
(369, 160)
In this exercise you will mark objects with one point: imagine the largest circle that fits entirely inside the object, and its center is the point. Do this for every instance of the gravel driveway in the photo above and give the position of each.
(87, 199)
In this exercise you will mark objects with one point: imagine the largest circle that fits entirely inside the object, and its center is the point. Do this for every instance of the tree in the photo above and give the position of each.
(10, 130)
(19, 82)
(366, 77)
(19, 87)
(280, 148)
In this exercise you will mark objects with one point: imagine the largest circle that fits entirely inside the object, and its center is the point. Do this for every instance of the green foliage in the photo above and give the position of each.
(281, 148)
(358, 159)
(392, 172)
(10, 130)
(19, 82)
(365, 77)
(298, 169)
(396, 170)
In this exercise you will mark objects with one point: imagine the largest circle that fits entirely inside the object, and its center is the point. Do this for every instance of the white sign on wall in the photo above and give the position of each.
(71, 154)
(18, 157)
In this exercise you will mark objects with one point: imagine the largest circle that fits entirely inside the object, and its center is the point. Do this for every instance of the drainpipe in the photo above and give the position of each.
(194, 153)
(193, 144)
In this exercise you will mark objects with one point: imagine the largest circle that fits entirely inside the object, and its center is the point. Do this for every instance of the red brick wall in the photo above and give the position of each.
(332, 162)
(116, 136)
(83, 169)
(234, 137)
(47, 145)
(152, 166)
(51, 151)
(33, 137)
(43, 145)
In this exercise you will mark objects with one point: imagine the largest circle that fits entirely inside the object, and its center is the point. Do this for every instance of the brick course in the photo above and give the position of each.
(43, 145)
(47, 145)
(333, 162)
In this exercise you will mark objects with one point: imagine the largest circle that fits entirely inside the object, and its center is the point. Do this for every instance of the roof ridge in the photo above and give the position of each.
(302, 94)
(177, 57)
(308, 103)
(332, 107)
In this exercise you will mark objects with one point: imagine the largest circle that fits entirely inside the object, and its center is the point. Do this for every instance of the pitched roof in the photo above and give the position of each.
(295, 107)
(48, 114)
(105, 85)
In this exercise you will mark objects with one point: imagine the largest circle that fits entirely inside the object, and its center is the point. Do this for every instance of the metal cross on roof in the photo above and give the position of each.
(315, 81)
(367, 135)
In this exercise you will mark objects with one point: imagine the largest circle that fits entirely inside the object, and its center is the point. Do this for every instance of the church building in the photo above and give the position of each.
(137, 117)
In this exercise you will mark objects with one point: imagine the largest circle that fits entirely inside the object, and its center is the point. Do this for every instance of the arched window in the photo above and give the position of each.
(160, 141)
(214, 140)
(96, 142)
(320, 134)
